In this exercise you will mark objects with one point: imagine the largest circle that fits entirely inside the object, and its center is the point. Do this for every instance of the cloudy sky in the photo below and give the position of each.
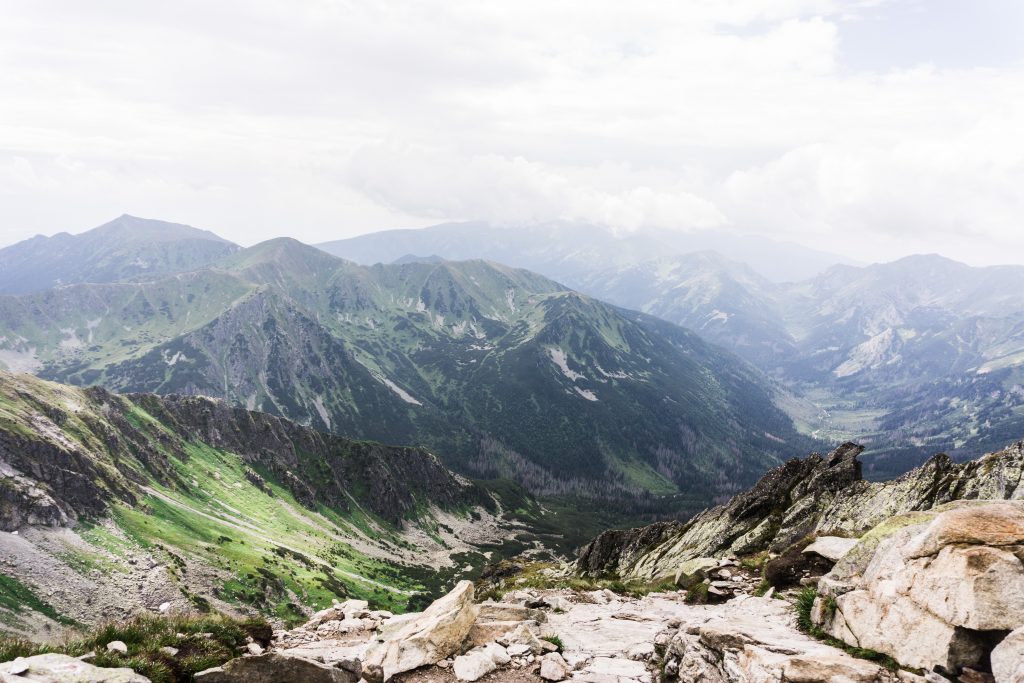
(872, 127)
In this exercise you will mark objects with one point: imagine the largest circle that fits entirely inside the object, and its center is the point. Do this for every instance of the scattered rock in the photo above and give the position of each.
(117, 646)
(524, 637)
(553, 667)
(169, 651)
(473, 665)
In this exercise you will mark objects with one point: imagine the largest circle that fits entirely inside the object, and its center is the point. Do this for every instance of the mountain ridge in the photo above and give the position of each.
(456, 356)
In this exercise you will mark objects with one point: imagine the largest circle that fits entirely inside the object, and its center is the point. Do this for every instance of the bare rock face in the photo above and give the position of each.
(275, 668)
(55, 668)
(428, 638)
(931, 589)
(820, 495)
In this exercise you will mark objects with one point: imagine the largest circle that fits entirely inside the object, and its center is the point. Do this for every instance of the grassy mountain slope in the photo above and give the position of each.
(125, 248)
(501, 371)
(138, 500)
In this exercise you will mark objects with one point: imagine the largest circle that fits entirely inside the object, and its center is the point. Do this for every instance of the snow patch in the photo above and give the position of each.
(717, 316)
(510, 299)
(613, 375)
(173, 359)
(559, 358)
(586, 393)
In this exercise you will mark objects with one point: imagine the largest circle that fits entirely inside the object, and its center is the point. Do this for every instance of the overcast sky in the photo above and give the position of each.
(872, 128)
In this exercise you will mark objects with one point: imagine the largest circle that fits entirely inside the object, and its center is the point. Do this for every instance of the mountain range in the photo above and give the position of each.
(502, 372)
(911, 357)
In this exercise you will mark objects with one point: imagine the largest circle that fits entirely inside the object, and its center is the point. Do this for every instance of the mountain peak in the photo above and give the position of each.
(126, 248)
(134, 228)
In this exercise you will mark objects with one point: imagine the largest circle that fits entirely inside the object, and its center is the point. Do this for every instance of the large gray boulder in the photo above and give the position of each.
(55, 668)
(433, 635)
(275, 668)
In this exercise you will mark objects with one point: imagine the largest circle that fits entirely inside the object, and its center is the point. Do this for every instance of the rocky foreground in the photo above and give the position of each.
(932, 591)
(941, 593)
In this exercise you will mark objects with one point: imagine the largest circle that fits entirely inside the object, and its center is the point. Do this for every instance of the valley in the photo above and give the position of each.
(138, 502)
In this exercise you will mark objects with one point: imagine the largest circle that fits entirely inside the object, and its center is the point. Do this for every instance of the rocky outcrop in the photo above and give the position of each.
(620, 547)
(813, 496)
(424, 639)
(57, 668)
(935, 590)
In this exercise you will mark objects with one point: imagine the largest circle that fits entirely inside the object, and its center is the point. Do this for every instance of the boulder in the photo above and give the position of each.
(118, 647)
(55, 668)
(553, 667)
(473, 665)
(275, 668)
(926, 589)
(832, 548)
(1008, 658)
(903, 630)
(431, 636)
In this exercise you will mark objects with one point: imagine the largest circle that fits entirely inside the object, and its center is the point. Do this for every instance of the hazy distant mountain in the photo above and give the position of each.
(502, 371)
(570, 252)
(125, 248)
(921, 354)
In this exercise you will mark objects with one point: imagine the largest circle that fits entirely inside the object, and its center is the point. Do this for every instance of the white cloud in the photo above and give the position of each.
(510, 191)
(331, 117)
